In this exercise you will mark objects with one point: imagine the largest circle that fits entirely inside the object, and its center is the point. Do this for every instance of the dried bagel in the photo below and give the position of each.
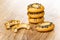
(11, 23)
(46, 26)
(35, 7)
(20, 26)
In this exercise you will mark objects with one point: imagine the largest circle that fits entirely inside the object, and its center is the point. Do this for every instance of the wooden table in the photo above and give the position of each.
(24, 34)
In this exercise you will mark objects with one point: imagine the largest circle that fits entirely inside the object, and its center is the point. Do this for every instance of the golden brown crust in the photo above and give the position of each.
(51, 27)
(11, 23)
(36, 15)
(38, 20)
(35, 7)
(20, 26)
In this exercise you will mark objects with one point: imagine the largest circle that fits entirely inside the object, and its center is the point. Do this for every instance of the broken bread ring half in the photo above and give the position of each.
(46, 26)
(20, 26)
(11, 23)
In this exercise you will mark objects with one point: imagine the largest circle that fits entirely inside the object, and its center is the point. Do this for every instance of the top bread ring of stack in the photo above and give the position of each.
(35, 7)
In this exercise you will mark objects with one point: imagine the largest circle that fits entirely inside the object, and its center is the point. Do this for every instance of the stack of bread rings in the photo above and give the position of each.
(35, 13)
(36, 16)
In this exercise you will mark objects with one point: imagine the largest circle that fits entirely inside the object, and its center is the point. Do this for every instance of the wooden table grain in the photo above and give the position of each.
(24, 34)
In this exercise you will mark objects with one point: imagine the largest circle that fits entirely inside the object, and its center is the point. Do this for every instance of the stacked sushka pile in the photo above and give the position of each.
(36, 16)
(35, 13)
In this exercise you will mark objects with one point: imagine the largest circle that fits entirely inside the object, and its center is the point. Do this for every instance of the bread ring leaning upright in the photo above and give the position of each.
(46, 26)
(35, 7)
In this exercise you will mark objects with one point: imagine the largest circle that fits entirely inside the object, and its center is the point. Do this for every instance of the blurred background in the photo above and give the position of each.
(17, 9)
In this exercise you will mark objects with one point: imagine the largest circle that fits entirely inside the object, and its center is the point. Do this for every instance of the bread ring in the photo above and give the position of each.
(11, 23)
(20, 26)
(35, 7)
(36, 20)
(35, 14)
(46, 26)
